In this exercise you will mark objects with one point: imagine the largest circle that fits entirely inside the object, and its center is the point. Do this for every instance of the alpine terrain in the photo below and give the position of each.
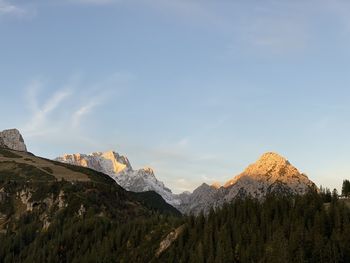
(56, 212)
(119, 168)
(272, 173)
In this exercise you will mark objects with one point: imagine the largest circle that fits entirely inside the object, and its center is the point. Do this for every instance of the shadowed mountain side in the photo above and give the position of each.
(155, 202)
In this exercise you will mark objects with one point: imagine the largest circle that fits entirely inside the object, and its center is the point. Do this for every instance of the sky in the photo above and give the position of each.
(195, 89)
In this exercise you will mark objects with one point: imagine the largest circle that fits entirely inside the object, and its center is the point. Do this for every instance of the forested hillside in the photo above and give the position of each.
(280, 229)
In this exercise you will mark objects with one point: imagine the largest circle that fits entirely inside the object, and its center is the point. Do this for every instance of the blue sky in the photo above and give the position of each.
(195, 89)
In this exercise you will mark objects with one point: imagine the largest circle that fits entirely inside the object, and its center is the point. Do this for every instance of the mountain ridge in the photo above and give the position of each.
(270, 173)
(119, 168)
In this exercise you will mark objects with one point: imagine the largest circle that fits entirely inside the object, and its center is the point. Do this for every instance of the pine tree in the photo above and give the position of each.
(346, 188)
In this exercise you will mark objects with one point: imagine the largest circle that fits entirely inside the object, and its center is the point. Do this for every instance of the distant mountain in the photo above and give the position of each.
(119, 168)
(272, 173)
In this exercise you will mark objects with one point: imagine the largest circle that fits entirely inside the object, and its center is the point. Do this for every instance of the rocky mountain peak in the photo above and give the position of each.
(269, 161)
(13, 140)
(108, 162)
(270, 166)
(272, 157)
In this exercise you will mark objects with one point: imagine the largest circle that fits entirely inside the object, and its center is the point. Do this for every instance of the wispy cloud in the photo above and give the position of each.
(7, 8)
(10, 9)
(65, 107)
(82, 111)
(37, 122)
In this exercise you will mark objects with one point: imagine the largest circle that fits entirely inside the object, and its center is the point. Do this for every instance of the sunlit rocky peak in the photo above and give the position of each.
(270, 166)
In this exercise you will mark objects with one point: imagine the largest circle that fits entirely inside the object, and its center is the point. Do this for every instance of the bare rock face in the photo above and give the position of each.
(108, 162)
(13, 140)
(169, 239)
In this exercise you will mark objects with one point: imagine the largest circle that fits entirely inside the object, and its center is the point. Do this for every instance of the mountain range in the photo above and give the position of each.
(59, 211)
(271, 173)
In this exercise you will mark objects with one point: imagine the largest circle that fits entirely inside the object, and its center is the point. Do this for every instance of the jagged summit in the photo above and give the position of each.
(13, 140)
(108, 162)
(119, 168)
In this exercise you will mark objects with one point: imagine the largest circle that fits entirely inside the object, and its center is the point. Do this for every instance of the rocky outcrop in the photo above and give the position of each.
(169, 239)
(13, 140)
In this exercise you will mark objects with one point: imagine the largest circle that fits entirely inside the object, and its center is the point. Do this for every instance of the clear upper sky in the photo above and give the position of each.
(195, 89)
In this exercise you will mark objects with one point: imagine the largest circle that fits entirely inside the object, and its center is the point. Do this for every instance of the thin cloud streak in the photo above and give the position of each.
(8, 9)
(83, 111)
(67, 107)
(40, 114)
